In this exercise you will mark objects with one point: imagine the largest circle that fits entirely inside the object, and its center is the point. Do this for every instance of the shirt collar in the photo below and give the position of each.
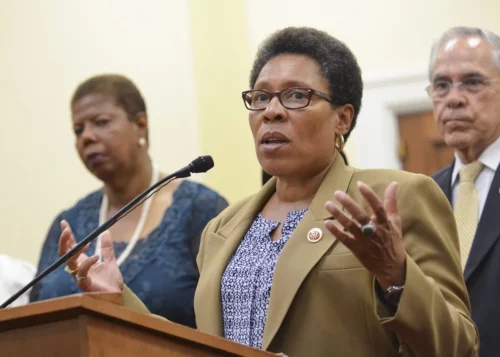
(490, 158)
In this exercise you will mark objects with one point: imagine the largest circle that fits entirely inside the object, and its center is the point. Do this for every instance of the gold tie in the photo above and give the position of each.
(467, 208)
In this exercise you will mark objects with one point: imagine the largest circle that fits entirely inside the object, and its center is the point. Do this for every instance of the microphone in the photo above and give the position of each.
(200, 164)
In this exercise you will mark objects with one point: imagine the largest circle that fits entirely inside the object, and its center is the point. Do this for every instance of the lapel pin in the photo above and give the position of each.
(314, 235)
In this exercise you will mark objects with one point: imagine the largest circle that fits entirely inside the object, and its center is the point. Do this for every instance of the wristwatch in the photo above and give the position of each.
(393, 294)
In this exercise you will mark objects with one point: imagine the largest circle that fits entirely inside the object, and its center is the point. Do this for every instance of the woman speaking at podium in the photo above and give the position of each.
(326, 259)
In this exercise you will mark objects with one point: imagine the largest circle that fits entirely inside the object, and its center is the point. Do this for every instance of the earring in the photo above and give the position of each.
(142, 142)
(339, 146)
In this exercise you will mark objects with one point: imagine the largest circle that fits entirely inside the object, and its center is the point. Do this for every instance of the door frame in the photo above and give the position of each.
(374, 142)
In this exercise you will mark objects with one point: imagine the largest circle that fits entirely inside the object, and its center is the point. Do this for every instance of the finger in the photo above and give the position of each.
(358, 213)
(107, 249)
(375, 203)
(83, 268)
(390, 202)
(85, 283)
(64, 223)
(79, 256)
(342, 236)
(64, 242)
(345, 221)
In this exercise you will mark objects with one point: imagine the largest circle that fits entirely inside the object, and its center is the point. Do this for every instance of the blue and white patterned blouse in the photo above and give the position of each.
(246, 282)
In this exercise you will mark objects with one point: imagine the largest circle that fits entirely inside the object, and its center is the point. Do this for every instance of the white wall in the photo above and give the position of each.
(387, 36)
(391, 39)
(47, 47)
(376, 138)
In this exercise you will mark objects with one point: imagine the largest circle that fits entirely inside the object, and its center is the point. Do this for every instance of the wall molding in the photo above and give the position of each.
(375, 140)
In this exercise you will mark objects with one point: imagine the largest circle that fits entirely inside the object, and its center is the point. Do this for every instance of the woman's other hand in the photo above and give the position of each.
(90, 274)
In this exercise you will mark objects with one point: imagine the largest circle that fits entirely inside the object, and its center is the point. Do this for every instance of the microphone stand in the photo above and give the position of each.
(184, 172)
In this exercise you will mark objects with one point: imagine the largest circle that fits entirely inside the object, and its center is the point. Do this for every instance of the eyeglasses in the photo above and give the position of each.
(291, 98)
(441, 88)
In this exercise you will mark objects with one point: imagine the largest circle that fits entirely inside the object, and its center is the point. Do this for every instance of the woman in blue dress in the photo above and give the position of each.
(157, 243)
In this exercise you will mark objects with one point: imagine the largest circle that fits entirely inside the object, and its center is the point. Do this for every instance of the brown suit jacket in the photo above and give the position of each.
(323, 302)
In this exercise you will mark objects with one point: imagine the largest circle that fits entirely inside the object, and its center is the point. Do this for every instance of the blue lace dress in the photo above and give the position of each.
(161, 269)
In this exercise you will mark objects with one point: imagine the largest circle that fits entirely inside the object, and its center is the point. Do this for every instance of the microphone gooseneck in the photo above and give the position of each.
(198, 165)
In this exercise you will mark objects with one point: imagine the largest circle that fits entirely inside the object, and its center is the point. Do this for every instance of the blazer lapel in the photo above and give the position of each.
(488, 230)
(299, 256)
(209, 310)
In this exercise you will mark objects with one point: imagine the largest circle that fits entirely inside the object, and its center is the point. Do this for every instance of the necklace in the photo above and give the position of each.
(103, 211)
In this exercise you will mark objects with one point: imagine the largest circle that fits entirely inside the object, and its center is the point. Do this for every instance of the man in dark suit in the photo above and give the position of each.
(465, 89)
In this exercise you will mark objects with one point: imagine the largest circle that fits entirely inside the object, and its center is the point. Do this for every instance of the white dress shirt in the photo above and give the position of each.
(14, 274)
(490, 159)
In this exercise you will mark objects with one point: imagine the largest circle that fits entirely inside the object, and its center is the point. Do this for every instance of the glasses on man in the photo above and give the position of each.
(441, 88)
(291, 98)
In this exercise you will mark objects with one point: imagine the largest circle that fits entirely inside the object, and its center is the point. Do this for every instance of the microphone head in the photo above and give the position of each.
(201, 164)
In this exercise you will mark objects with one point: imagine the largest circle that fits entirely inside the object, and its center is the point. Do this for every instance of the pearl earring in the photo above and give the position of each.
(142, 142)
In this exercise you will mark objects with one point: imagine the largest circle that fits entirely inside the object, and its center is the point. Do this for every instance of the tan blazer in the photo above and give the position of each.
(323, 302)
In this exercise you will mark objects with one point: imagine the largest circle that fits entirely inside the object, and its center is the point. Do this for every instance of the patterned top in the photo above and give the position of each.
(246, 282)
(161, 268)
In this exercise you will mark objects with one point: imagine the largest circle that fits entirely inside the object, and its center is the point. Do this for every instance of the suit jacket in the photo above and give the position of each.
(323, 301)
(482, 270)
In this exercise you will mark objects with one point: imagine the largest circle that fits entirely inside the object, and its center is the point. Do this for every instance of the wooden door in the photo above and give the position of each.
(421, 149)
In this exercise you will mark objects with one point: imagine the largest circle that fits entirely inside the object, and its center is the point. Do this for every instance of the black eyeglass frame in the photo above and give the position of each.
(310, 91)
(462, 85)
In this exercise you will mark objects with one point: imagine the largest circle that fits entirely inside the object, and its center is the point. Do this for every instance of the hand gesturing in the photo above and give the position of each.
(90, 274)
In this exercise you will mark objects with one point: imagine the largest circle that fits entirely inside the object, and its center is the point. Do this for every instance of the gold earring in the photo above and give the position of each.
(142, 142)
(339, 146)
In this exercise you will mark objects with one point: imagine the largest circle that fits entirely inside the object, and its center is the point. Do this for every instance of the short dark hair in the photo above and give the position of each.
(122, 89)
(337, 63)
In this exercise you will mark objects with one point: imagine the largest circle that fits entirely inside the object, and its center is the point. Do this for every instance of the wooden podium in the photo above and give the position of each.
(97, 325)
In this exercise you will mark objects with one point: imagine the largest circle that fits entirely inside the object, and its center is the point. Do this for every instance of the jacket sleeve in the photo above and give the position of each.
(131, 301)
(433, 316)
(201, 252)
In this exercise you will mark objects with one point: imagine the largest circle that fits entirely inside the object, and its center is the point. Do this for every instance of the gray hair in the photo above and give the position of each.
(462, 31)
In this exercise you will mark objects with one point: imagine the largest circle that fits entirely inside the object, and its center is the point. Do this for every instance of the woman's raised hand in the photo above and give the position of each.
(90, 274)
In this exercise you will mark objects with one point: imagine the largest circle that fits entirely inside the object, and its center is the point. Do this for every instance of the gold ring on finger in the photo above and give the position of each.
(70, 271)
